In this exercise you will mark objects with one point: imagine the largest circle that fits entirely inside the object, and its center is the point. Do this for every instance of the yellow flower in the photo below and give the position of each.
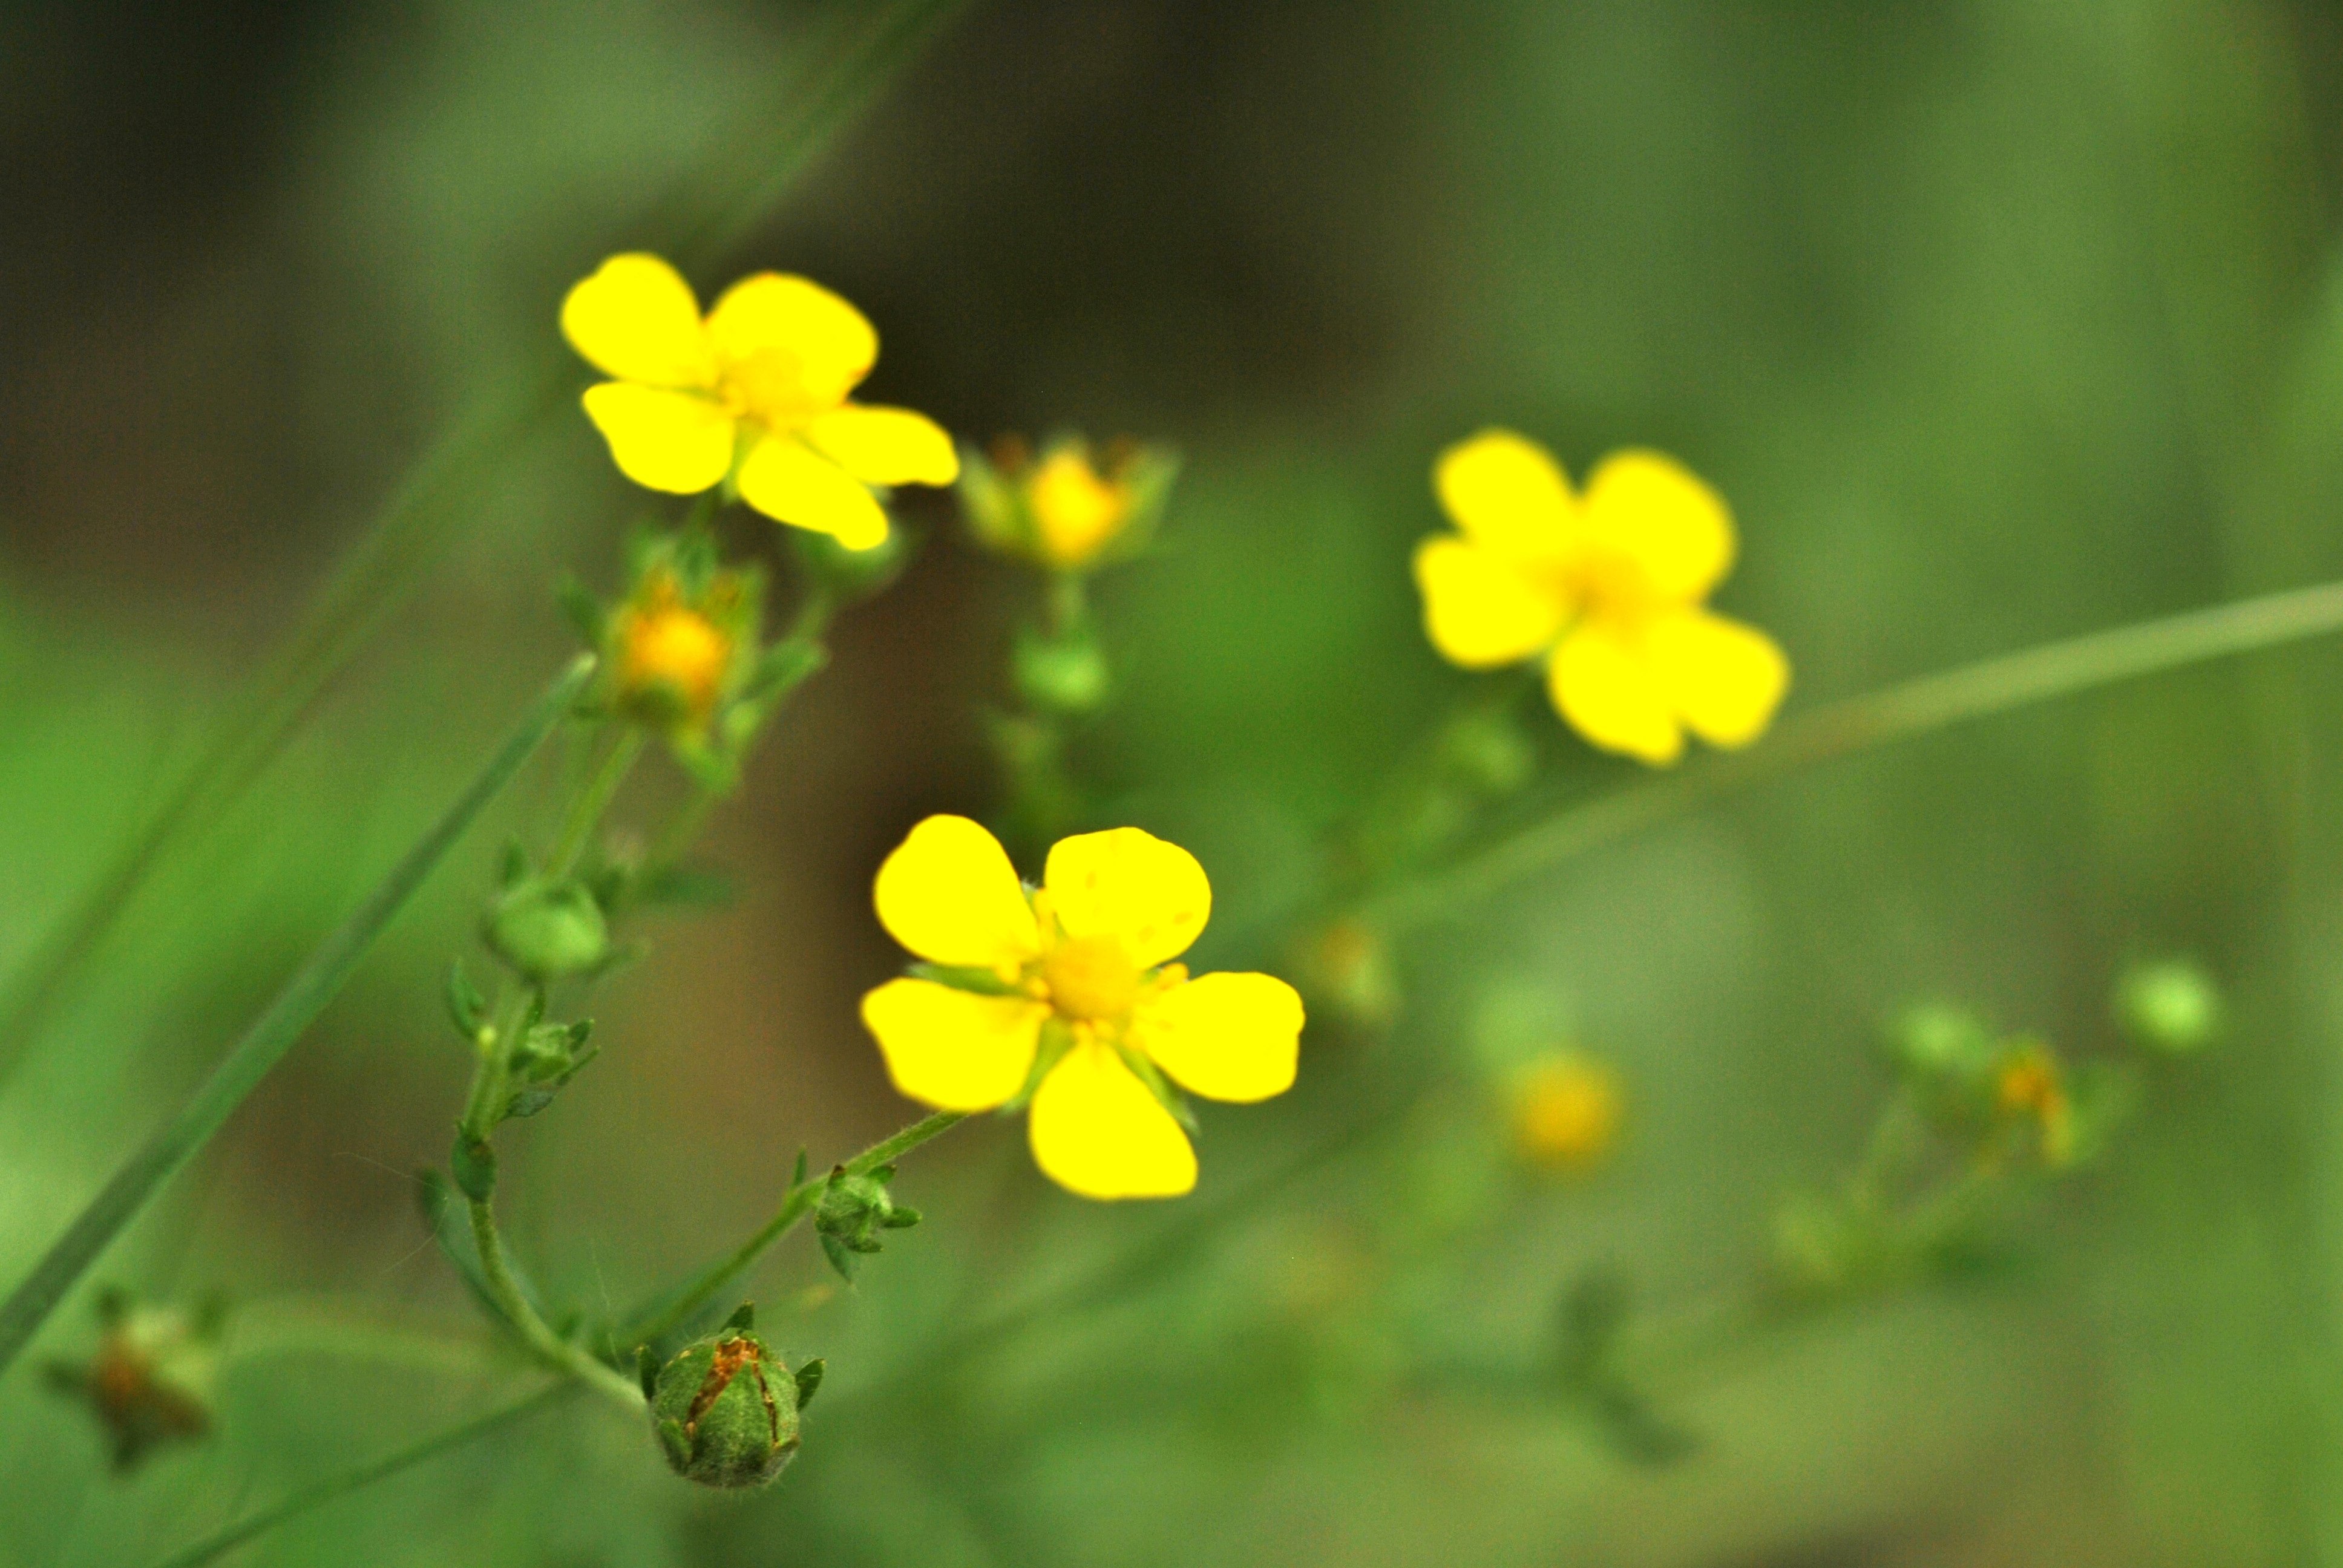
(1566, 1112)
(756, 392)
(1607, 585)
(2028, 1085)
(1068, 511)
(670, 656)
(1081, 966)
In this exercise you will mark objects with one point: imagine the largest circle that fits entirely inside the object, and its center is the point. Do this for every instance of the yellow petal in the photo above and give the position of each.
(635, 318)
(1603, 683)
(1128, 884)
(886, 446)
(1098, 1132)
(1479, 609)
(1649, 510)
(949, 893)
(790, 482)
(1224, 1036)
(675, 441)
(1724, 679)
(953, 1050)
(1504, 490)
(832, 344)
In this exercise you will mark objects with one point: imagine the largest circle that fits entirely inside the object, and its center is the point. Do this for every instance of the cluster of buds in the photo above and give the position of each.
(150, 1383)
(725, 1410)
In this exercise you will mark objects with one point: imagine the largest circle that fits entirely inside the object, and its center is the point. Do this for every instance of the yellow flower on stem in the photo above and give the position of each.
(1566, 1112)
(756, 393)
(1071, 511)
(1074, 979)
(1607, 585)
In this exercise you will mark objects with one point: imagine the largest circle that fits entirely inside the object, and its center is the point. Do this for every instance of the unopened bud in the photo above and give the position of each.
(725, 1410)
(2172, 1006)
(547, 929)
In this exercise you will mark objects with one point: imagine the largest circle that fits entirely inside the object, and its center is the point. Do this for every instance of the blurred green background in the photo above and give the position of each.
(1996, 322)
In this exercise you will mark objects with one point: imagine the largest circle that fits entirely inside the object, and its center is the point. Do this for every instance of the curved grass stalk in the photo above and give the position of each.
(316, 1495)
(264, 1045)
(1903, 712)
(747, 175)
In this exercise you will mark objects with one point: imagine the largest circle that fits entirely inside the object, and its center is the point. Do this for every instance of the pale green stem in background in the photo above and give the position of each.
(264, 1045)
(442, 497)
(1859, 724)
(795, 1205)
(211, 1548)
(263, 1331)
(586, 810)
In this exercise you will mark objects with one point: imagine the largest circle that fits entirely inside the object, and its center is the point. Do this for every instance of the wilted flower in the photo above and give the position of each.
(151, 1381)
(1073, 987)
(756, 393)
(1607, 586)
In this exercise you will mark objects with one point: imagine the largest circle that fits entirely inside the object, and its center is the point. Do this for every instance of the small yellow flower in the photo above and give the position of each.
(671, 655)
(1566, 1112)
(1606, 585)
(1070, 511)
(1088, 954)
(756, 392)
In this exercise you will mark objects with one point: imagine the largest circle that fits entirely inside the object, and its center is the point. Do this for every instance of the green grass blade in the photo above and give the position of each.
(272, 1034)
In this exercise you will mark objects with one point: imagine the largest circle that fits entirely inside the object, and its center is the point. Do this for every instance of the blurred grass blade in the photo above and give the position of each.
(271, 1035)
(1858, 724)
(211, 1548)
(709, 211)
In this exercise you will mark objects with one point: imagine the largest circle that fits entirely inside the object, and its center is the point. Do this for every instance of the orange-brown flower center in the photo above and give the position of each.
(675, 648)
(1091, 979)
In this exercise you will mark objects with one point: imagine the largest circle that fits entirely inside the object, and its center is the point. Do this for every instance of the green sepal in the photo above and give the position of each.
(548, 1056)
(809, 1381)
(1055, 1040)
(672, 1441)
(1170, 1099)
(798, 1176)
(473, 1161)
(780, 666)
(982, 981)
(743, 1318)
(466, 1009)
(647, 1370)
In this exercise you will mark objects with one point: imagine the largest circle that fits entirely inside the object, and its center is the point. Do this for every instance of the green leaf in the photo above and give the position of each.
(809, 1380)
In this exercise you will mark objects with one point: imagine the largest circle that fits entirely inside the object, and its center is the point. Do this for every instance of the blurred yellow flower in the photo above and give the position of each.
(1566, 1112)
(1076, 976)
(1067, 510)
(757, 392)
(1607, 585)
(672, 654)
(2029, 1085)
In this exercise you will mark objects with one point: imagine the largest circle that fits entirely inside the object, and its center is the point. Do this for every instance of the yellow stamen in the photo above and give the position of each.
(1091, 979)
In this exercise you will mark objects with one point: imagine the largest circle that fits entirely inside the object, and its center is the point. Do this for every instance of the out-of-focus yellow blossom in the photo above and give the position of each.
(756, 392)
(1075, 976)
(672, 657)
(1606, 585)
(1070, 511)
(2029, 1086)
(1565, 1111)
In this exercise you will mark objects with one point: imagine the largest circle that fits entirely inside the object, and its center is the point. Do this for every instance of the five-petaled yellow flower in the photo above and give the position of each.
(1606, 585)
(1082, 969)
(756, 392)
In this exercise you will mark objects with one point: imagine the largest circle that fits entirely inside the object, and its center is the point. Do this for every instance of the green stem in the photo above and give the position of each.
(266, 1329)
(1860, 724)
(795, 1205)
(551, 1348)
(211, 1548)
(272, 1034)
(586, 809)
(495, 1051)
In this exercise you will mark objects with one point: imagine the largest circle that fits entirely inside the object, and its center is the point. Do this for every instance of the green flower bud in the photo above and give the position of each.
(725, 1410)
(1943, 1044)
(853, 1210)
(1061, 674)
(2172, 1006)
(548, 929)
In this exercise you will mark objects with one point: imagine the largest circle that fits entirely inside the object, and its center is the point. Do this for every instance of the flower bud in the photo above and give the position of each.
(1069, 510)
(853, 1210)
(2172, 1006)
(725, 1410)
(1064, 673)
(547, 929)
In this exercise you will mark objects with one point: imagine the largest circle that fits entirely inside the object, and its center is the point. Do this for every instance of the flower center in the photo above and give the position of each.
(674, 648)
(1091, 979)
(769, 386)
(1075, 510)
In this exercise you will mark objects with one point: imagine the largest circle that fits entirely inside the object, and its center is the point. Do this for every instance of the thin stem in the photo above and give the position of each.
(264, 1045)
(587, 808)
(211, 1548)
(1917, 708)
(795, 1205)
(268, 1330)
(551, 1348)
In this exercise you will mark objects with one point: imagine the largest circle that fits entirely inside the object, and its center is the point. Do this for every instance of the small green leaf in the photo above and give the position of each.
(809, 1380)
